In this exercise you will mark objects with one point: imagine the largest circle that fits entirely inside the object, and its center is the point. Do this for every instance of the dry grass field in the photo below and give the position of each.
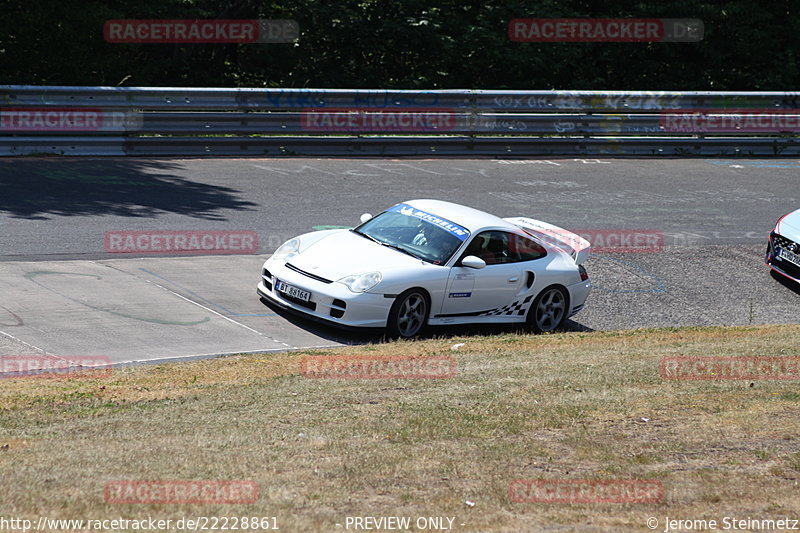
(562, 407)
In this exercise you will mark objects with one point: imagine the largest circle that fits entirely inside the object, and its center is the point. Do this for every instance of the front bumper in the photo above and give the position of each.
(330, 301)
(781, 266)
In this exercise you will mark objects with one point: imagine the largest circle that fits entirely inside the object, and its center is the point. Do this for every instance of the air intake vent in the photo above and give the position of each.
(337, 308)
(267, 277)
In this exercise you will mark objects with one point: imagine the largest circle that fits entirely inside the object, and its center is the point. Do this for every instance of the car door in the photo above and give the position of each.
(475, 291)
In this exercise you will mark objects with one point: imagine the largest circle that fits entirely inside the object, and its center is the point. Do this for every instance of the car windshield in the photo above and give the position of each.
(415, 232)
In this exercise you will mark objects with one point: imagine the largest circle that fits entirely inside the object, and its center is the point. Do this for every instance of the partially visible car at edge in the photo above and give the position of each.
(430, 262)
(783, 249)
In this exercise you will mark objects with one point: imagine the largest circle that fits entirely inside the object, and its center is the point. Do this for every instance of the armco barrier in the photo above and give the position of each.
(198, 121)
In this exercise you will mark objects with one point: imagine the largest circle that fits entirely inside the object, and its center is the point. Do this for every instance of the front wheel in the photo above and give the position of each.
(408, 314)
(549, 310)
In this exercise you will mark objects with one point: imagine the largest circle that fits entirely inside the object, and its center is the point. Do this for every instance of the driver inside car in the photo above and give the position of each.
(437, 241)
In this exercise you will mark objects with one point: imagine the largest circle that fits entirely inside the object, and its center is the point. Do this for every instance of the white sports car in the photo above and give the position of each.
(783, 250)
(431, 262)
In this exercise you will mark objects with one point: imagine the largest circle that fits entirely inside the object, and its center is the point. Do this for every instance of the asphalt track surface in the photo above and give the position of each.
(63, 295)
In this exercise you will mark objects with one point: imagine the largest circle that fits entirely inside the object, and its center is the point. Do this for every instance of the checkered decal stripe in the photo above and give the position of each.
(516, 308)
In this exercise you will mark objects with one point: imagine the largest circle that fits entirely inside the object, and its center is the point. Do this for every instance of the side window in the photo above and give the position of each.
(522, 248)
(497, 247)
(476, 246)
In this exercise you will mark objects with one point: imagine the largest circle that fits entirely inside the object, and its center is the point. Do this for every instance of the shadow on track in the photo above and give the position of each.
(39, 188)
(783, 280)
(378, 336)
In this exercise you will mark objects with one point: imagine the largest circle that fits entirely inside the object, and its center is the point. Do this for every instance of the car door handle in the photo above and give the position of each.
(513, 280)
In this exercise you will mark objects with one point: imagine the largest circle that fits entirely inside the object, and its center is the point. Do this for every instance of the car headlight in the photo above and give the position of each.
(287, 250)
(362, 282)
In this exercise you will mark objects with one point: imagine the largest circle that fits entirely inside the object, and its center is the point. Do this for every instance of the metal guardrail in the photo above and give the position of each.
(163, 98)
(395, 146)
(188, 121)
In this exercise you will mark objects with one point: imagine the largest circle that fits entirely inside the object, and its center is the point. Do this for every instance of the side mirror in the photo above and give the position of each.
(365, 217)
(473, 262)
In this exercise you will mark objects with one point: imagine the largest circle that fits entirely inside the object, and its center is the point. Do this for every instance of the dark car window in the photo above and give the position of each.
(498, 247)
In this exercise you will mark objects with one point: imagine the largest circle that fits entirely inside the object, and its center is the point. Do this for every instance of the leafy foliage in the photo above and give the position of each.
(748, 45)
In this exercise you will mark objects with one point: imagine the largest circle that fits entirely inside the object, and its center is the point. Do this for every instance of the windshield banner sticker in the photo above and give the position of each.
(453, 229)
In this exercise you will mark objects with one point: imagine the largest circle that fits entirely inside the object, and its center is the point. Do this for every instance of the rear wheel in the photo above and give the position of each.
(549, 310)
(408, 314)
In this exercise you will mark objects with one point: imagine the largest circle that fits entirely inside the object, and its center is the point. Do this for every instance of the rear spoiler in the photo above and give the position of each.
(572, 243)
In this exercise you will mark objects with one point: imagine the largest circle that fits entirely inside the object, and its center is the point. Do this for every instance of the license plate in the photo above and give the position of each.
(292, 291)
(789, 256)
